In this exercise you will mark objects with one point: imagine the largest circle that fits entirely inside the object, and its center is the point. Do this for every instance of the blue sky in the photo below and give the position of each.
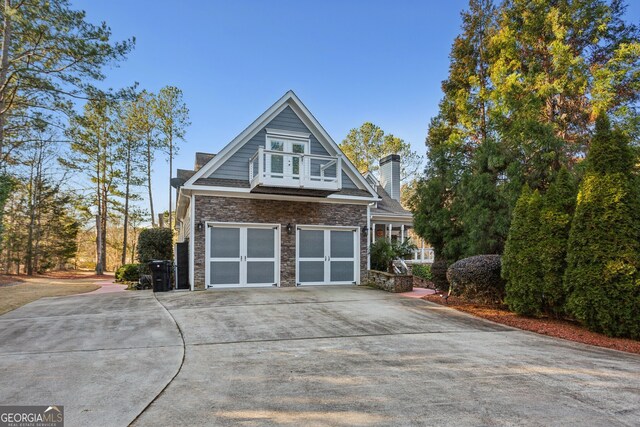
(349, 61)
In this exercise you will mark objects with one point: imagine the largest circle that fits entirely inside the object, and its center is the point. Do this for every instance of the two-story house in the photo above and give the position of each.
(280, 205)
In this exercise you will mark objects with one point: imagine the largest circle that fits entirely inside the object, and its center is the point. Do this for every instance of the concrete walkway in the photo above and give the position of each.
(345, 356)
(103, 356)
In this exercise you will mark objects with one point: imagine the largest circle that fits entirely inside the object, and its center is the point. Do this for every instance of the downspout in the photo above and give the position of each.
(192, 237)
(369, 236)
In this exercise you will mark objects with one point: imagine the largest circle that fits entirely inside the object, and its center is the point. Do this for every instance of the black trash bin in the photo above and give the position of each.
(161, 275)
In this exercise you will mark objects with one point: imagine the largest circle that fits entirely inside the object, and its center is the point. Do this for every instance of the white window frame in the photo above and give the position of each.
(327, 263)
(243, 251)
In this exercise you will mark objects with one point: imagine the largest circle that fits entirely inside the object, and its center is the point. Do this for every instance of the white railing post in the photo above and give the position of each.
(261, 164)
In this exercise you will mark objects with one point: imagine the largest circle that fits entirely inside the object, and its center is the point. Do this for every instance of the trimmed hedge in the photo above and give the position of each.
(477, 278)
(128, 273)
(439, 275)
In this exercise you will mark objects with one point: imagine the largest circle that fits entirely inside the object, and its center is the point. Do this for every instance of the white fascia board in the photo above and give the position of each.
(239, 140)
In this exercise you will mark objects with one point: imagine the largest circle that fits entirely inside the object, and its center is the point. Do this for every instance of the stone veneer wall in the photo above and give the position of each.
(227, 209)
(390, 282)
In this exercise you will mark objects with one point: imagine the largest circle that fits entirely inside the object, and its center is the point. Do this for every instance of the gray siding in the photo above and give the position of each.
(237, 166)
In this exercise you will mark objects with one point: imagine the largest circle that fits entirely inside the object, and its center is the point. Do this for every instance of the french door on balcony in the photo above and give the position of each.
(327, 256)
(242, 255)
(285, 166)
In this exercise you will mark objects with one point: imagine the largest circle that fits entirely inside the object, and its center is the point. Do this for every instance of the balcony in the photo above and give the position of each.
(271, 168)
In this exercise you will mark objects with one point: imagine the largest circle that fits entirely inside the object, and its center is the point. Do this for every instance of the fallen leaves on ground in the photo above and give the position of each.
(546, 326)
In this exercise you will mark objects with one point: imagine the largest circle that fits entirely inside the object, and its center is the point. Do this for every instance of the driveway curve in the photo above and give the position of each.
(103, 356)
(346, 356)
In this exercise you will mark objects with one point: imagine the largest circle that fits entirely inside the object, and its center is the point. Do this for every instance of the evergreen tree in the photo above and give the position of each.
(602, 278)
(558, 205)
(173, 119)
(520, 267)
(49, 57)
(95, 152)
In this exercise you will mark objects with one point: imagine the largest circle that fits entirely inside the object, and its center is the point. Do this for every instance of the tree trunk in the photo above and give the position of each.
(4, 71)
(170, 173)
(99, 265)
(126, 204)
(153, 218)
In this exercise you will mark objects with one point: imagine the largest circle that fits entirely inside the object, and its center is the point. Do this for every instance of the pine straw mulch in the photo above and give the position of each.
(557, 328)
(9, 279)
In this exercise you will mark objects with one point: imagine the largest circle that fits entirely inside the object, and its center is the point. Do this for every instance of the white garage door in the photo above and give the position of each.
(327, 256)
(242, 255)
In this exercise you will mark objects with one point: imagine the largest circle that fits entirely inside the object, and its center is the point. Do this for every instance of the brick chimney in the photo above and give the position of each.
(390, 175)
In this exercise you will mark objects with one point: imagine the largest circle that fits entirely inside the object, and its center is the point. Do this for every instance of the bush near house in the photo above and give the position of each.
(155, 244)
(383, 253)
(602, 279)
(422, 271)
(439, 274)
(477, 278)
(128, 273)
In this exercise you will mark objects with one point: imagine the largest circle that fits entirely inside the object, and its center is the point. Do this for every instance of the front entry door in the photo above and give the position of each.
(242, 255)
(327, 256)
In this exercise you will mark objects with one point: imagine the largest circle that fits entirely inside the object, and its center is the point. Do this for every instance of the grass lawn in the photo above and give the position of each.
(31, 289)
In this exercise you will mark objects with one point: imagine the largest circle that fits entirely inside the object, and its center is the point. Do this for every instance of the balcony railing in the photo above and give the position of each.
(270, 168)
(422, 256)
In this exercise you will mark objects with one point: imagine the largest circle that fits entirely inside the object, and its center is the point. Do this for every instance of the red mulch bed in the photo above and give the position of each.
(553, 327)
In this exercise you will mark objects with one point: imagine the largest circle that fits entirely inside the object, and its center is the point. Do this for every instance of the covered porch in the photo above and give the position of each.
(400, 230)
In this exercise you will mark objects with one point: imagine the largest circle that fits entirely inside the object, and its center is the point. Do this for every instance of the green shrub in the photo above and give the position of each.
(533, 263)
(558, 206)
(439, 274)
(383, 253)
(602, 279)
(477, 278)
(128, 273)
(422, 271)
(155, 244)
(520, 264)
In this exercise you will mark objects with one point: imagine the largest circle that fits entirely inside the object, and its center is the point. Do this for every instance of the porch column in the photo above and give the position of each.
(389, 232)
(373, 232)
(402, 233)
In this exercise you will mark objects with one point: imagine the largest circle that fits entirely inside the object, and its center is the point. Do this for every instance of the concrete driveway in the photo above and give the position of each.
(95, 354)
(355, 356)
(313, 356)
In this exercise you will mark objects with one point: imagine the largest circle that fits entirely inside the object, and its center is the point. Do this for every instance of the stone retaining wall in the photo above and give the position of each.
(390, 282)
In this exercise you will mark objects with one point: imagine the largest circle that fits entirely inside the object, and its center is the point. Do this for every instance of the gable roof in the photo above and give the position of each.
(288, 99)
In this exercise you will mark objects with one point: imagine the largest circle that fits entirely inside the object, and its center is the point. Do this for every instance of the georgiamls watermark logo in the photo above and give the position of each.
(32, 416)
